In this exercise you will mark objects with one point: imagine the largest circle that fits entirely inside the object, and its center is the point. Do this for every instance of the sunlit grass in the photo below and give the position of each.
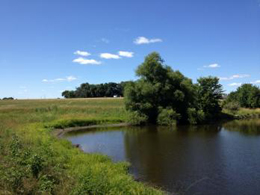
(242, 113)
(32, 161)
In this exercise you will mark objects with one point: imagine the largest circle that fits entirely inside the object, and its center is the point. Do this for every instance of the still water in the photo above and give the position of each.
(206, 160)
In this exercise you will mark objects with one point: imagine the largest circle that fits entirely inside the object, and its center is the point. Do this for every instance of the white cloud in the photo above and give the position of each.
(144, 40)
(109, 56)
(81, 60)
(256, 82)
(235, 76)
(71, 78)
(212, 66)
(126, 54)
(68, 79)
(82, 53)
(235, 84)
(105, 40)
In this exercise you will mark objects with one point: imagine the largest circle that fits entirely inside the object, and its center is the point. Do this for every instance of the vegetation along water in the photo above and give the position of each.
(33, 161)
(206, 159)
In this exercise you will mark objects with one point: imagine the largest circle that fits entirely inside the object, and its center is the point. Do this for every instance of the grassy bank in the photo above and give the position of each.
(33, 162)
(242, 113)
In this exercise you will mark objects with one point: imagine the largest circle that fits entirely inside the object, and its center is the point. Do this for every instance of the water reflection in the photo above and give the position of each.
(246, 127)
(176, 158)
(212, 159)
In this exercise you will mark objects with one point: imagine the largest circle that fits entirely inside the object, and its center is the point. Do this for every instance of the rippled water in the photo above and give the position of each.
(212, 159)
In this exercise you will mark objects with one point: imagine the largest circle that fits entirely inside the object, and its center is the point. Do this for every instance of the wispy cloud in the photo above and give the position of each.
(104, 40)
(144, 40)
(235, 84)
(109, 56)
(71, 78)
(82, 53)
(235, 76)
(126, 54)
(68, 79)
(85, 61)
(239, 84)
(256, 82)
(212, 66)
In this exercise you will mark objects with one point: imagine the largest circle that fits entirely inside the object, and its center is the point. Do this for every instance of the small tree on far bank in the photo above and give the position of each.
(247, 96)
(209, 94)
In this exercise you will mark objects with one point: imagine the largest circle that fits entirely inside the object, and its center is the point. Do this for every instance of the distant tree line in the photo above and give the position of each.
(8, 98)
(247, 96)
(164, 96)
(87, 90)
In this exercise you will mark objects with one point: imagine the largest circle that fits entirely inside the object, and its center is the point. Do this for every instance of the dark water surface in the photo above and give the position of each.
(203, 160)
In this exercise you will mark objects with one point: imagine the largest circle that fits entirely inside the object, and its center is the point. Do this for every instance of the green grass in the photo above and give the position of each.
(243, 113)
(32, 161)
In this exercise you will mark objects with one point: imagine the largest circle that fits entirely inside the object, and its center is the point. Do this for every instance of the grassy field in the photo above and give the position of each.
(32, 161)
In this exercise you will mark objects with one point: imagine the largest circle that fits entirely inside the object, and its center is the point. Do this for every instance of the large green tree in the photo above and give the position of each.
(164, 96)
(159, 90)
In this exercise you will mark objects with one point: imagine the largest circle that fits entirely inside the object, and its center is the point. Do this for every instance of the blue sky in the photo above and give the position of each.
(47, 46)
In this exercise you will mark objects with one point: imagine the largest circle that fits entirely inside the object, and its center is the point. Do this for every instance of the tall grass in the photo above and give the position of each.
(243, 113)
(32, 161)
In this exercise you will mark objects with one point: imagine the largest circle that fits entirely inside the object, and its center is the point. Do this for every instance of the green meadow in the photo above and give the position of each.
(33, 161)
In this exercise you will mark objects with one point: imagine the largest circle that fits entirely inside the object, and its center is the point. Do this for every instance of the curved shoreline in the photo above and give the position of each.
(60, 132)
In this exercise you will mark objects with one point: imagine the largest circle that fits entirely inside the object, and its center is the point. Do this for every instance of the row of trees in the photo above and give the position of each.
(99, 90)
(164, 96)
(247, 96)
(8, 98)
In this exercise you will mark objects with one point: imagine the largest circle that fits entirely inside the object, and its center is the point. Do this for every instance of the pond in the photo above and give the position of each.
(212, 159)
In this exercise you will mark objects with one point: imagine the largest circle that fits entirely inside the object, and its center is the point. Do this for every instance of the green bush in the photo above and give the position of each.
(167, 117)
(136, 118)
(232, 106)
(195, 116)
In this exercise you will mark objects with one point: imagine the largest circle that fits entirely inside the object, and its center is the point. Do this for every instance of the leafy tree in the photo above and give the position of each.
(209, 94)
(68, 94)
(247, 96)
(159, 88)
(99, 90)
(165, 96)
(8, 98)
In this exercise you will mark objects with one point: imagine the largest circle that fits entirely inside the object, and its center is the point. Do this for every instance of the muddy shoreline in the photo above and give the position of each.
(60, 132)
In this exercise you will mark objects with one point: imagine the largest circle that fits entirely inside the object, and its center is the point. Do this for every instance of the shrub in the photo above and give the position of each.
(167, 117)
(36, 165)
(195, 116)
(232, 106)
(136, 118)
